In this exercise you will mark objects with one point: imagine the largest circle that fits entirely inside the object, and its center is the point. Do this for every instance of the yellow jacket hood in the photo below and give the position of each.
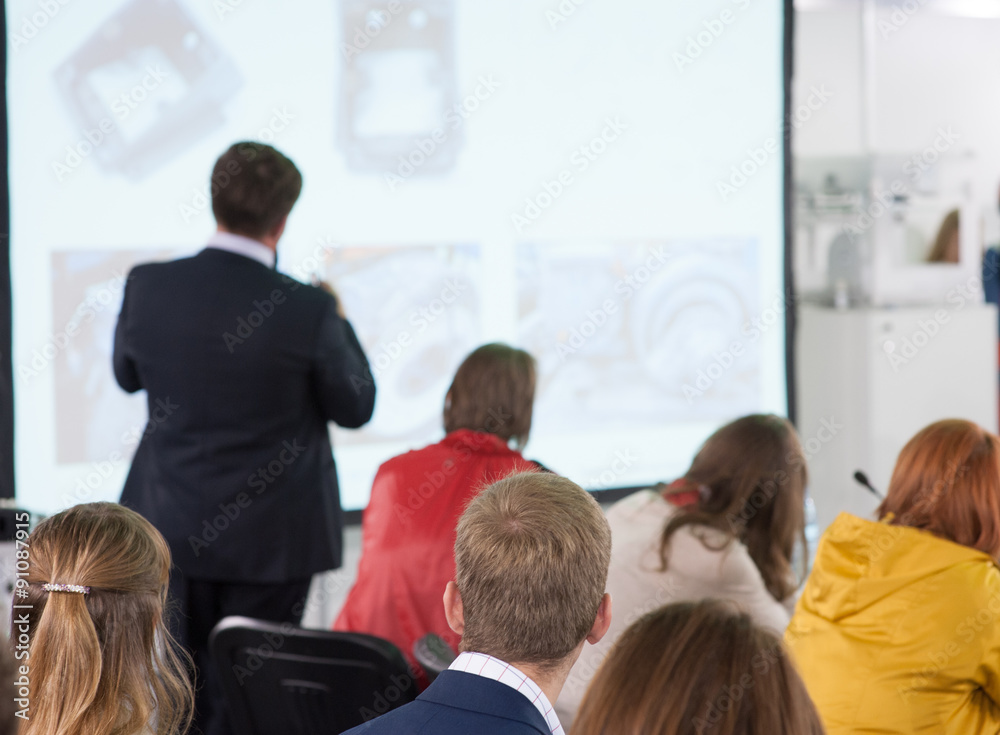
(898, 631)
(860, 563)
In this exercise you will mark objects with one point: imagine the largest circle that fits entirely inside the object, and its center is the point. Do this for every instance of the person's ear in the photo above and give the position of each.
(453, 611)
(602, 621)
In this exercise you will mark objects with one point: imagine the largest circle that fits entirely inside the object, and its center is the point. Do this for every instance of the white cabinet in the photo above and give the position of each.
(869, 379)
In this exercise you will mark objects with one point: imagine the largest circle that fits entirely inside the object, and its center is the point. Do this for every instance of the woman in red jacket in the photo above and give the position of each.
(408, 528)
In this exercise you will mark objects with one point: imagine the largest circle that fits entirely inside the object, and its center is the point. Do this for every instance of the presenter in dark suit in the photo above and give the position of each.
(531, 563)
(243, 368)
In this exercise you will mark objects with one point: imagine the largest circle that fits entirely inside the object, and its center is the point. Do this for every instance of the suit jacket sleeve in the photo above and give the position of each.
(125, 370)
(344, 381)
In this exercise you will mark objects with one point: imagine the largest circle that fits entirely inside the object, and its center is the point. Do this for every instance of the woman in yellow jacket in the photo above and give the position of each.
(898, 628)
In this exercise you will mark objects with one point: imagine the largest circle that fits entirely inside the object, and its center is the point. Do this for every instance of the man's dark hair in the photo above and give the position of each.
(253, 188)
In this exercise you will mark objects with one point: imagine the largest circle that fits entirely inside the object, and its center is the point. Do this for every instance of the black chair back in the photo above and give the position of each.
(280, 679)
(433, 654)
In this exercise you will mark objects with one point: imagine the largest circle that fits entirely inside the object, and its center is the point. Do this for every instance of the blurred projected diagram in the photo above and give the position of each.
(620, 328)
(147, 84)
(398, 88)
(95, 419)
(416, 311)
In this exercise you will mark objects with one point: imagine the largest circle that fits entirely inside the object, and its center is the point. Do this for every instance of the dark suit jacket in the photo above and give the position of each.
(243, 368)
(458, 703)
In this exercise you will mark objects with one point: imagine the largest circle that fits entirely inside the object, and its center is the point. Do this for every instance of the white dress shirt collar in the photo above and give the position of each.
(493, 668)
(242, 246)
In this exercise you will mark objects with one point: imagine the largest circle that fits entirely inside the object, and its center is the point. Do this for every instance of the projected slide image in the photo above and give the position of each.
(625, 288)
(416, 310)
(145, 86)
(93, 415)
(398, 83)
(620, 328)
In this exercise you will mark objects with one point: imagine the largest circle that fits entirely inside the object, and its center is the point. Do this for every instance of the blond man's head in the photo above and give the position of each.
(531, 564)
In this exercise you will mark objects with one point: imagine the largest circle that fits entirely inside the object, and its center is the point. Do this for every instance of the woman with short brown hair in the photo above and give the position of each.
(408, 528)
(898, 627)
(697, 667)
(493, 391)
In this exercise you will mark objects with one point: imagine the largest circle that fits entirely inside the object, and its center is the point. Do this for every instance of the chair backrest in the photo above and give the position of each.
(433, 654)
(279, 678)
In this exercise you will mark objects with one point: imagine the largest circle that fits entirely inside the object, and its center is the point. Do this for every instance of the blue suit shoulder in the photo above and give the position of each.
(159, 270)
(180, 270)
(303, 291)
(458, 703)
(151, 268)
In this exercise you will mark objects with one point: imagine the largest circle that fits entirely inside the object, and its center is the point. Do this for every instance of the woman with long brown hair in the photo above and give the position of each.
(735, 541)
(100, 659)
(898, 627)
(946, 243)
(697, 667)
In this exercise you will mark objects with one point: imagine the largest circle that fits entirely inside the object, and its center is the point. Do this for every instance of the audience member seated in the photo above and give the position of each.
(945, 248)
(734, 542)
(531, 563)
(898, 627)
(101, 660)
(408, 528)
(697, 667)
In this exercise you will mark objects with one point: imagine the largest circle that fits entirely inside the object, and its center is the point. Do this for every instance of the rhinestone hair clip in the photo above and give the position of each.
(78, 588)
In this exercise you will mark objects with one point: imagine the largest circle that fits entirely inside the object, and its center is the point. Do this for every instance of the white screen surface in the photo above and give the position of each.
(598, 183)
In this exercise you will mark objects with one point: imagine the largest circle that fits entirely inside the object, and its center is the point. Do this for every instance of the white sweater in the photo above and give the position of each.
(694, 572)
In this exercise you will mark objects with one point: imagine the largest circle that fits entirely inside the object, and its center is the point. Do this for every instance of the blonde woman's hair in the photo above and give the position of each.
(102, 663)
(531, 563)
